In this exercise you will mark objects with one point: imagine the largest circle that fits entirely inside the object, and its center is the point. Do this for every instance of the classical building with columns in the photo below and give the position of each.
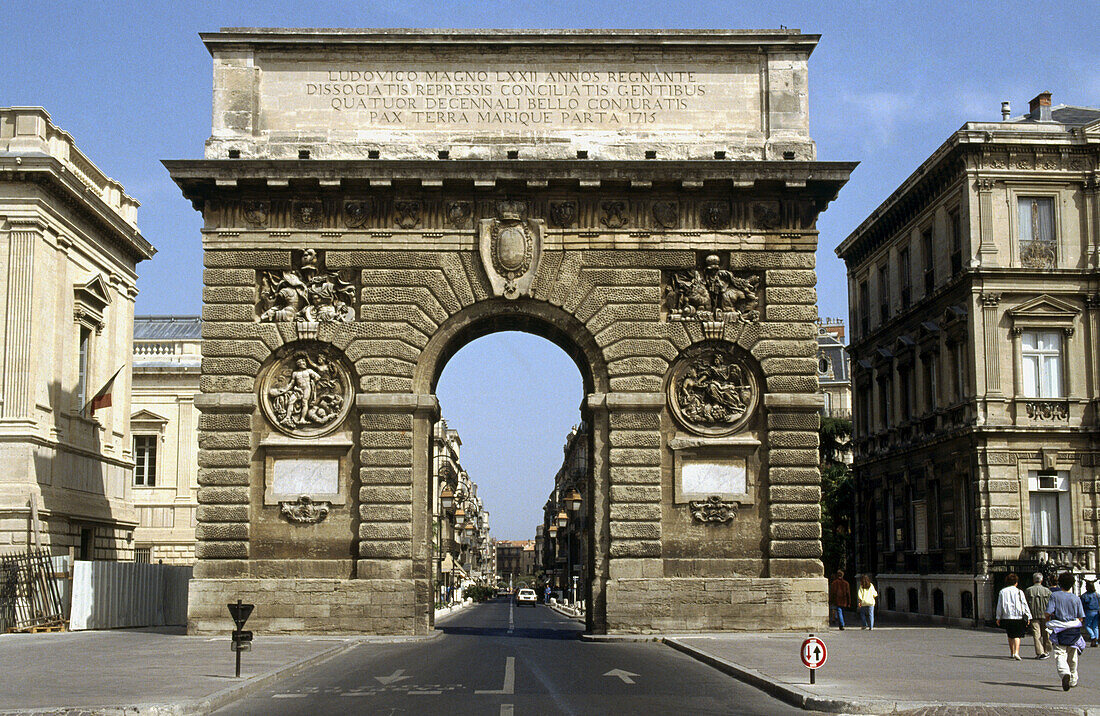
(975, 307)
(164, 425)
(69, 249)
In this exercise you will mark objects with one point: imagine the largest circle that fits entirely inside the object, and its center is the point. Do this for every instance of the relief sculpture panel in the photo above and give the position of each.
(307, 393)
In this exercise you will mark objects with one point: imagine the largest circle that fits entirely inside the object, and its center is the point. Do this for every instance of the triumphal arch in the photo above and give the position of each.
(375, 199)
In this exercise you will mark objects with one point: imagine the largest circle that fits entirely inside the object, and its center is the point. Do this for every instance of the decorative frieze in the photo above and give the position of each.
(1047, 409)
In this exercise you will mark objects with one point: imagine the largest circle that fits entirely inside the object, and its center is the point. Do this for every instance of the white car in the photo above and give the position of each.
(526, 596)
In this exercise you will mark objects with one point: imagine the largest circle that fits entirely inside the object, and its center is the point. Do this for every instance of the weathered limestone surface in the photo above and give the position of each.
(685, 291)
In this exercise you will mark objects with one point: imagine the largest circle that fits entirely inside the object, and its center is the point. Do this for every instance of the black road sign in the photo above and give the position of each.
(240, 613)
(242, 636)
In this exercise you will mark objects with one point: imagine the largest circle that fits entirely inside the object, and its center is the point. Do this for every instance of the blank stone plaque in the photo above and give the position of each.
(303, 476)
(703, 478)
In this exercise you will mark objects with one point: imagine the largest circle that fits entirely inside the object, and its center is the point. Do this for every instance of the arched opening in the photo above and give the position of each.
(966, 604)
(914, 600)
(937, 602)
(520, 505)
(891, 599)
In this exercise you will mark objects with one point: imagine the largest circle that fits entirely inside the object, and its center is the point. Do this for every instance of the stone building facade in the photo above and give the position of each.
(373, 200)
(70, 246)
(561, 541)
(975, 312)
(460, 521)
(516, 562)
(164, 425)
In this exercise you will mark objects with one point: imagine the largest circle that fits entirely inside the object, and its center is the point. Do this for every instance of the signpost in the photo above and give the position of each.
(814, 655)
(242, 640)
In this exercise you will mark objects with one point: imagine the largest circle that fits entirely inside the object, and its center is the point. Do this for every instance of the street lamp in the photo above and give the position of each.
(573, 500)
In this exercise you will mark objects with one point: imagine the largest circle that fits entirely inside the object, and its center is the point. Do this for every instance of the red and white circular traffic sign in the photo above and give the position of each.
(814, 653)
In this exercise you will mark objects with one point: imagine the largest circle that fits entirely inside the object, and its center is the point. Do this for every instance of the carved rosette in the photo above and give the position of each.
(712, 391)
(713, 510)
(304, 510)
(510, 249)
(307, 392)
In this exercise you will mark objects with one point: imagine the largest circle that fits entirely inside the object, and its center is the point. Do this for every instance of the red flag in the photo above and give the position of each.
(102, 399)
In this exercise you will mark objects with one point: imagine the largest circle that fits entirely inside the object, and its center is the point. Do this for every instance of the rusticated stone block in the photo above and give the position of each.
(638, 366)
(635, 476)
(794, 476)
(385, 513)
(383, 457)
(221, 531)
(636, 384)
(254, 349)
(794, 331)
(792, 384)
(636, 530)
(794, 421)
(795, 530)
(227, 383)
(229, 277)
(791, 439)
(776, 348)
(223, 495)
(623, 420)
(795, 493)
(635, 493)
(244, 295)
(795, 513)
(794, 296)
(636, 548)
(790, 277)
(385, 531)
(223, 441)
(662, 349)
(385, 475)
(224, 458)
(795, 548)
(222, 513)
(772, 259)
(227, 312)
(221, 550)
(248, 259)
(373, 494)
(229, 366)
(385, 421)
(376, 549)
(789, 366)
(790, 314)
(223, 477)
(635, 438)
(634, 511)
(379, 439)
(793, 458)
(796, 568)
(635, 456)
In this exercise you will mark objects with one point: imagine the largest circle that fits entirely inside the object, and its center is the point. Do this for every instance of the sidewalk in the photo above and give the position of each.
(902, 668)
(146, 671)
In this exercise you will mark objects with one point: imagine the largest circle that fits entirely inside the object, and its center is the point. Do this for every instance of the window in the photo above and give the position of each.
(82, 367)
(883, 294)
(954, 226)
(1050, 509)
(884, 388)
(958, 370)
(1037, 246)
(928, 364)
(929, 261)
(905, 393)
(1041, 359)
(145, 460)
(143, 555)
(962, 512)
(864, 309)
(904, 277)
(891, 526)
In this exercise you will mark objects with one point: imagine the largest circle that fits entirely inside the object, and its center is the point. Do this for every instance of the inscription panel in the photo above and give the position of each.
(305, 476)
(702, 478)
(365, 94)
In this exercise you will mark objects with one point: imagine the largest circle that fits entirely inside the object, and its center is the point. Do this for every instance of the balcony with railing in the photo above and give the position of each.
(1072, 558)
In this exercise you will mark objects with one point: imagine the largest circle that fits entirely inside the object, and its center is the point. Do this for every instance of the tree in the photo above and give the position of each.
(837, 493)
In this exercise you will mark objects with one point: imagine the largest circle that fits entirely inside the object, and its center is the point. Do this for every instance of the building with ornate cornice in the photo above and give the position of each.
(975, 307)
(70, 246)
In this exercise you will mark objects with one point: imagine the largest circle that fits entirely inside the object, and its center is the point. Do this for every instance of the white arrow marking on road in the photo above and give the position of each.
(624, 675)
(392, 678)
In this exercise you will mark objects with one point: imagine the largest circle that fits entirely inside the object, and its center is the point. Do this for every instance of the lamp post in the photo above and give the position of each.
(573, 504)
(562, 521)
(446, 502)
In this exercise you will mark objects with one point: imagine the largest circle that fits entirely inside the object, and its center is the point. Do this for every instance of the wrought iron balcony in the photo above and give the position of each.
(1074, 558)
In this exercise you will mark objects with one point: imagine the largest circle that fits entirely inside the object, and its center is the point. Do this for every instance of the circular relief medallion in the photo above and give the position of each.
(306, 393)
(712, 392)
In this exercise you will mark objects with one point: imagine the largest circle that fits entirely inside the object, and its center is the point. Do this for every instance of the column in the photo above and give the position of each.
(987, 249)
(18, 373)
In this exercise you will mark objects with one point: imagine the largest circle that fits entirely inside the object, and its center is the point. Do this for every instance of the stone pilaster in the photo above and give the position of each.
(987, 249)
(18, 374)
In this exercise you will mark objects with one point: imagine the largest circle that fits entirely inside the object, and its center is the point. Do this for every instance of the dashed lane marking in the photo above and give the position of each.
(509, 679)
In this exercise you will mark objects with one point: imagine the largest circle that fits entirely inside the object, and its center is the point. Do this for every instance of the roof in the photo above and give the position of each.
(832, 349)
(167, 328)
(1069, 115)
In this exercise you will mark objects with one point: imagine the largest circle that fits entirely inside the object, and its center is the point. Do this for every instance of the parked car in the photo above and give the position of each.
(526, 597)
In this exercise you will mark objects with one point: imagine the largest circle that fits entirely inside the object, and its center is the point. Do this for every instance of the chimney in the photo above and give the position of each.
(1040, 108)
(1006, 111)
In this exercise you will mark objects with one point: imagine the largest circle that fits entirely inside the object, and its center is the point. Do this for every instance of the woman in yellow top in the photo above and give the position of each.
(866, 597)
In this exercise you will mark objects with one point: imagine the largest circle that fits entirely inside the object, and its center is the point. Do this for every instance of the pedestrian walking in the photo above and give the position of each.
(1090, 602)
(1013, 614)
(1065, 624)
(1037, 598)
(840, 597)
(866, 597)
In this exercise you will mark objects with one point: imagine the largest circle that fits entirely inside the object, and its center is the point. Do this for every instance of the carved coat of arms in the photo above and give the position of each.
(510, 248)
(356, 213)
(406, 214)
(459, 213)
(256, 211)
(563, 213)
(308, 214)
(666, 214)
(715, 215)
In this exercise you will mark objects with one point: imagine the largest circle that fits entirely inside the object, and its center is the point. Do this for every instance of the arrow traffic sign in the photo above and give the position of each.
(392, 678)
(624, 675)
(814, 653)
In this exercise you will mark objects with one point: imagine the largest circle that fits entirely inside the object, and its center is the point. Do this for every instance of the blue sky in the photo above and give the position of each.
(888, 83)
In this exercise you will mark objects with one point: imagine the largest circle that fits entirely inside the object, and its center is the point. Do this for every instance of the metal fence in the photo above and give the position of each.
(30, 597)
(109, 595)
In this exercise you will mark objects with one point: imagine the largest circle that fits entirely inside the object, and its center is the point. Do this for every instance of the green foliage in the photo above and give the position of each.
(837, 494)
(478, 592)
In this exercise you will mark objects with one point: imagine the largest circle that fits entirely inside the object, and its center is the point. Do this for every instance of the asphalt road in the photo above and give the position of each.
(502, 660)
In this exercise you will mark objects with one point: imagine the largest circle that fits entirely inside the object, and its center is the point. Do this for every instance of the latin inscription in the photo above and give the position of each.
(518, 97)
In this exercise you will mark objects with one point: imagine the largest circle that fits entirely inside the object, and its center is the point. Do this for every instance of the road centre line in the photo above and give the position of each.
(511, 617)
(509, 679)
(507, 709)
